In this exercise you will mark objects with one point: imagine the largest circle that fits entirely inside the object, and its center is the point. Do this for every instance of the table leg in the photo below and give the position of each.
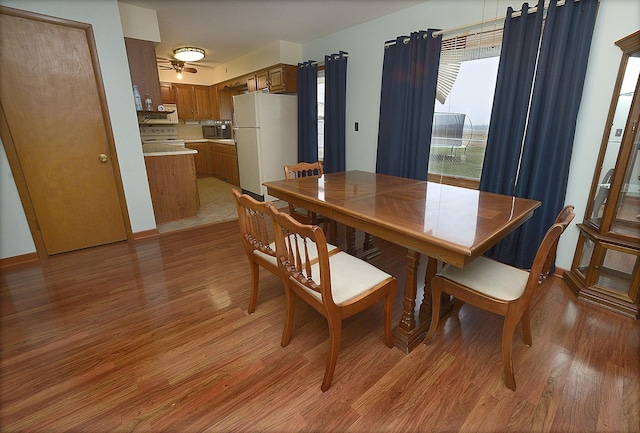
(411, 330)
(405, 335)
(350, 235)
(368, 250)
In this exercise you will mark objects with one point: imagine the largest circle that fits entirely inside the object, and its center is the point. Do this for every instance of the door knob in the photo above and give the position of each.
(103, 157)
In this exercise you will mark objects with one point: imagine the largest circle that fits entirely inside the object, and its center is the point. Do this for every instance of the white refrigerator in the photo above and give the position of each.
(266, 133)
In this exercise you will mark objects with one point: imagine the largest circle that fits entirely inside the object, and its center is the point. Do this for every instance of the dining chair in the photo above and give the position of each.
(257, 239)
(501, 289)
(315, 169)
(337, 285)
(309, 169)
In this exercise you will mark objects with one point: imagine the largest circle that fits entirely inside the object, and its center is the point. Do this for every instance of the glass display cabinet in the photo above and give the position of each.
(606, 264)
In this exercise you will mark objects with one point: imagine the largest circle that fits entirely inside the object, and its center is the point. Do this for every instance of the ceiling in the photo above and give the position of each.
(227, 29)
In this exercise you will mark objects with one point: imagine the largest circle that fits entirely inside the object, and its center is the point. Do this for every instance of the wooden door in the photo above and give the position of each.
(57, 135)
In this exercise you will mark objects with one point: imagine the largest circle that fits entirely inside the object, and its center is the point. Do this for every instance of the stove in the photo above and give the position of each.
(155, 134)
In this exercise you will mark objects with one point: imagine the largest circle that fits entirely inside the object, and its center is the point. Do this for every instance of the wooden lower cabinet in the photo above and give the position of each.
(216, 159)
(224, 160)
(173, 186)
(202, 159)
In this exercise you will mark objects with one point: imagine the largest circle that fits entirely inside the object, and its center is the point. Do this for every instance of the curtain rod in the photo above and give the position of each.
(478, 24)
(320, 63)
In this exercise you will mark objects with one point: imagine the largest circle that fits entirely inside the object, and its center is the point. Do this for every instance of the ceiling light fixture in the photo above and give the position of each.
(188, 54)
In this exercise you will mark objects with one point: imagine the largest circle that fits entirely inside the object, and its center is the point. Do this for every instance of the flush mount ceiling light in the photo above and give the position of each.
(188, 54)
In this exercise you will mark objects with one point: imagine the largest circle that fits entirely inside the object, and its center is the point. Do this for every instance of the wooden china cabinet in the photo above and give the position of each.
(606, 265)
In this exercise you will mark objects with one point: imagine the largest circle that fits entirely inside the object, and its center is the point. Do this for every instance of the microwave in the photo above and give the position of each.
(220, 129)
(169, 116)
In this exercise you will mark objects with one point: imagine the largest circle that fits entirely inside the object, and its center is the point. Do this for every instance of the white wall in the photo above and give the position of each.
(364, 43)
(104, 17)
(139, 23)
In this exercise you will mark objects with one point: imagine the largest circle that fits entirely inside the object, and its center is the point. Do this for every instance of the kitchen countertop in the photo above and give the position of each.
(227, 141)
(150, 149)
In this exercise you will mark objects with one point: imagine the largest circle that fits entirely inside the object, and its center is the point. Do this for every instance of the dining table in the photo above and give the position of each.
(445, 223)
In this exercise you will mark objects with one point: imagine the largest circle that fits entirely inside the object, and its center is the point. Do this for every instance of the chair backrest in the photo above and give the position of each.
(293, 243)
(255, 223)
(547, 251)
(303, 169)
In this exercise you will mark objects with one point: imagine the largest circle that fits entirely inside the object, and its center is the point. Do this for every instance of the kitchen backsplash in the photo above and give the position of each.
(189, 132)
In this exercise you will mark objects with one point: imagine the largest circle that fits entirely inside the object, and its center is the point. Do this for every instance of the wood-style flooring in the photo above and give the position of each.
(154, 336)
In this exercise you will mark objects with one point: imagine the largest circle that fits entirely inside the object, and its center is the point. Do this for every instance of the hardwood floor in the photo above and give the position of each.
(154, 336)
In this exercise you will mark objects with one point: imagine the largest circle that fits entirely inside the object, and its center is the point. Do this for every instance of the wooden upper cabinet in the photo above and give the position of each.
(262, 80)
(168, 93)
(278, 79)
(202, 102)
(143, 69)
(252, 83)
(214, 100)
(193, 101)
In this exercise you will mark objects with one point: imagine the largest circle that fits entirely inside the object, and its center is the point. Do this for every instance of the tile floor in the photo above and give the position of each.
(216, 205)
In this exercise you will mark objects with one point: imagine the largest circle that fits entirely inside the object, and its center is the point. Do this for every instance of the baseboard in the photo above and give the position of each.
(146, 234)
(559, 272)
(18, 260)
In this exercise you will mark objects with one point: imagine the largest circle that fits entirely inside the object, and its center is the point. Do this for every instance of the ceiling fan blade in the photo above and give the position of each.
(192, 70)
(162, 59)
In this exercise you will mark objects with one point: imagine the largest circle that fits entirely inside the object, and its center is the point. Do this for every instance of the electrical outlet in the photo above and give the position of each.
(356, 126)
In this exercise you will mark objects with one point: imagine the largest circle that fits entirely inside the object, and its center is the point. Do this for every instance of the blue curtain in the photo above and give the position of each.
(407, 100)
(511, 100)
(307, 112)
(335, 100)
(557, 93)
(546, 153)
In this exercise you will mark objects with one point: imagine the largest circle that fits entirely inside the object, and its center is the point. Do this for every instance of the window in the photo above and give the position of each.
(466, 83)
(321, 115)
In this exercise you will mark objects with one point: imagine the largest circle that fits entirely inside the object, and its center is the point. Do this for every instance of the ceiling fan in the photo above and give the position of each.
(178, 65)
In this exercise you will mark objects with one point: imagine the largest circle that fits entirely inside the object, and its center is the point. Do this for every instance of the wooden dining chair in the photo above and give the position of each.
(501, 289)
(309, 169)
(315, 169)
(338, 285)
(257, 239)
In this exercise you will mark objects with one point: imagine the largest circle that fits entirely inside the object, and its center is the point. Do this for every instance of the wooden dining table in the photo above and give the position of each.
(448, 224)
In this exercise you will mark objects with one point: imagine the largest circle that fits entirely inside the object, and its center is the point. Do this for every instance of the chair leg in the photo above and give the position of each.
(508, 330)
(436, 291)
(335, 332)
(526, 327)
(388, 311)
(255, 279)
(291, 298)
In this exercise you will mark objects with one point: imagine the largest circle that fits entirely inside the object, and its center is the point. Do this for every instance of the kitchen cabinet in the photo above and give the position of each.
(193, 101)
(202, 159)
(278, 79)
(173, 186)
(225, 95)
(168, 93)
(143, 69)
(225, 163)
(214, 100)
